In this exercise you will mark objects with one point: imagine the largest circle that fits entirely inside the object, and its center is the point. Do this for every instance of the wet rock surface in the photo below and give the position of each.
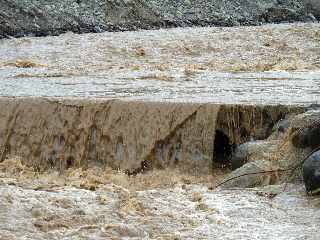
(280, 155)
(313, 6)
(306, 130)
(250, 151)
(249, 175)
(311, 173)
(240, 156)
(29, 17)
(282, 126)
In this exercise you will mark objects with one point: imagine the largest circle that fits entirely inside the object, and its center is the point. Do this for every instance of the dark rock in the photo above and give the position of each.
(251, 151)
(281, 14)
(307, 138)
(311, 173)
(310, 18)
(282, 126)
(249, 175)
(306, 134)
(240, 156)
(313, 7)
(313, 106)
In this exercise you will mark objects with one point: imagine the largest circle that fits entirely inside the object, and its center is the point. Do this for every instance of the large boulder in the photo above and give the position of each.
(252, 151)
(240, 156)
(313, 7)
(305, 130)
(255, 161)
(283, 125)
(313, 106)
(311, 173)
(249, 175)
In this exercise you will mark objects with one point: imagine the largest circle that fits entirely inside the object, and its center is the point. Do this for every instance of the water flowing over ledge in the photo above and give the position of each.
(126, 134)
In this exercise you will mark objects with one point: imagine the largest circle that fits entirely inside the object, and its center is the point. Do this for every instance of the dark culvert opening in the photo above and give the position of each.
(70, 162)
(222, 150)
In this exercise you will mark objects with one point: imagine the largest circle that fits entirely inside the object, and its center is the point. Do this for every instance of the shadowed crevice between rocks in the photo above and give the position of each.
(222, 150)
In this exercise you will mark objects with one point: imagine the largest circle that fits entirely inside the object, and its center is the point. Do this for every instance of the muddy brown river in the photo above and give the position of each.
(96, 204)
(271, 64)
(71, 213)
(229, 88)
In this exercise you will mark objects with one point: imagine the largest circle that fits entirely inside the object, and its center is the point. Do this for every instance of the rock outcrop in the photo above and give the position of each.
(281, 157)
(311, 173)
(251, 151)
(306, 130)
(40, 17)
(313, 7)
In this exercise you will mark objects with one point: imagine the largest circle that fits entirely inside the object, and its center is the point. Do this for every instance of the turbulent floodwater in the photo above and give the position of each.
(181, 212)
(270, 64)
(247, 88)
(100, 203)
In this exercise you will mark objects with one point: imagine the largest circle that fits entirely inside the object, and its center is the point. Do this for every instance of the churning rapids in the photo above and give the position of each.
(271, 64)
(159, 205)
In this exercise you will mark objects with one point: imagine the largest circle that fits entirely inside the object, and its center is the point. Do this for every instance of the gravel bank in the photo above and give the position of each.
(40, 17)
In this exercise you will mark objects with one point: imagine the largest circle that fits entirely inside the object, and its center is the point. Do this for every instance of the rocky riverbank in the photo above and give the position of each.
(288, 154)
(40, 18)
